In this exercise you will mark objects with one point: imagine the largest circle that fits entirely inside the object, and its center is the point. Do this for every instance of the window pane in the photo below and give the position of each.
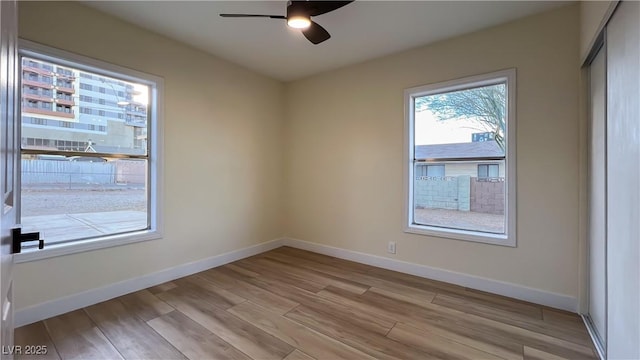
(435, 170)
(457, 130)
(493, 170)
(69, 198)
(483, 171)
(83, 99)
(461, 124)
(66, 109)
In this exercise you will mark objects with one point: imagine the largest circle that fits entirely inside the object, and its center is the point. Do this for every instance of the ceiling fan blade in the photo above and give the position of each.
(315, 8)
(253, 16)
(316, 33)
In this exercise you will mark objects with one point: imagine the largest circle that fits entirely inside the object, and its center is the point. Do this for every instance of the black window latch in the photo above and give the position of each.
(19, 238)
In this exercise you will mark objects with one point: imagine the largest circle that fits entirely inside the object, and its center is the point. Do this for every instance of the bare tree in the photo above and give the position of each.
(484, 105)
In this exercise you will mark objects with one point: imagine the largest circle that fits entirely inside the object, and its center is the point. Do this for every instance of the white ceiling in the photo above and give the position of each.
(360, 31)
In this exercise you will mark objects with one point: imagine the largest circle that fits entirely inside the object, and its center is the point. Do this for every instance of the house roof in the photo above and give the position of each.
(459, 150)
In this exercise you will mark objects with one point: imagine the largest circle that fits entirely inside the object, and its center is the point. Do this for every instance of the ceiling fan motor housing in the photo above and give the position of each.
(297, 9)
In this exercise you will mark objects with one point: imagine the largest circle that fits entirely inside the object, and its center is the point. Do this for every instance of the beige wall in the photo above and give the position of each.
(223, 153)
(344, 152)
(593, 15)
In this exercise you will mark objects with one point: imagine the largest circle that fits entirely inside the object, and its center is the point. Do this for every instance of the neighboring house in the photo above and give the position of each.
(476, 159)
(461, 176)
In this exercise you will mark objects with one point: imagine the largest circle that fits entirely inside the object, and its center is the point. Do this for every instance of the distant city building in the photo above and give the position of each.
(71, 110)
(485, 136)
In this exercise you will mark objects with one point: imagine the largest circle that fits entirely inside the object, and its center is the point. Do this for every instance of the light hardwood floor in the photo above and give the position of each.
(293, 304)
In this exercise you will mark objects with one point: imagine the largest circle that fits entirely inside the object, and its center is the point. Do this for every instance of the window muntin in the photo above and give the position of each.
(74, 150)
(463, 127)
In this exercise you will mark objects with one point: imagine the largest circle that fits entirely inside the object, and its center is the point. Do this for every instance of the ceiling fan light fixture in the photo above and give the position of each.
(299, 14)
(299, 22)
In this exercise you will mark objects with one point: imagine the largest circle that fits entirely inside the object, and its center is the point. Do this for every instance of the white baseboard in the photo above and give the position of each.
(93, 296)
(537, 296)
(65, 304)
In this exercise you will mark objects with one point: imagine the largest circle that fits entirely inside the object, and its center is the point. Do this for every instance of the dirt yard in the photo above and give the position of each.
(75, 201)
(52, 201)
(466, 220)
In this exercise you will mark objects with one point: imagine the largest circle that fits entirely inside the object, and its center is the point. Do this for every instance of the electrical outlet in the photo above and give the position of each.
(391, 247)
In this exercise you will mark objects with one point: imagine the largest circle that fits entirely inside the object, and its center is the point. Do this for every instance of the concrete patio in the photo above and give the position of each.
(57, 228)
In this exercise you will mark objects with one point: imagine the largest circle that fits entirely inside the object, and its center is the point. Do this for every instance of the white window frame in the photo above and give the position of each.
(507, 76)
(155, 155)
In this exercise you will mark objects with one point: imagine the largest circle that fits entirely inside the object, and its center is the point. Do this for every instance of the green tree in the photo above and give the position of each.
(484, 105)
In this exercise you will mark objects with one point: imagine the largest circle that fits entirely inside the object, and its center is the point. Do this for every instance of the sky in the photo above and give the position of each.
(429, 130)
(143, 96)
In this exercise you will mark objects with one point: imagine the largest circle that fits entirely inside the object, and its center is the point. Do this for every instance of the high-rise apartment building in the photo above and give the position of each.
(71, 110)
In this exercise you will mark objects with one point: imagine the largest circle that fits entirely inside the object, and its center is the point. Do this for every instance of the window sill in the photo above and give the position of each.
(465, 235)
(54, 250)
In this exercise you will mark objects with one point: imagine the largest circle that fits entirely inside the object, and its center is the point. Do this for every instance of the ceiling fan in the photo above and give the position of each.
(299, 15)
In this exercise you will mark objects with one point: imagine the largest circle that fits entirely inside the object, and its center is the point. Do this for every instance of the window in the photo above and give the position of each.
(63, 108)
(64, 71)
(429, 170)
(64, 83)
(104, 187)
(488, 171)
(460, 159)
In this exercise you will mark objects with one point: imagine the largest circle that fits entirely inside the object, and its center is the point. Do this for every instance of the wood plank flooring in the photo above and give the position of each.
(293, 304)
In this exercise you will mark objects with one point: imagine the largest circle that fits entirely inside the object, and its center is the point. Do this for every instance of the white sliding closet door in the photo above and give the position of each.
(597, 197)
(623, 182)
